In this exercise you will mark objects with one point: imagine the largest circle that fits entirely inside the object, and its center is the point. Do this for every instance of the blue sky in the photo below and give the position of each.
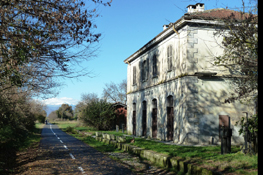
(126, 26)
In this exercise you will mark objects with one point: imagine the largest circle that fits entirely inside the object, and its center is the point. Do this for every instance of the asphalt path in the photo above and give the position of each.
(64, 154)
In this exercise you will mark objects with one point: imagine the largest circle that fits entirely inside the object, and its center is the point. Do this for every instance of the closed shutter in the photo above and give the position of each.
(141, 70)
(134, 75)
(154, 65)
(147, 69)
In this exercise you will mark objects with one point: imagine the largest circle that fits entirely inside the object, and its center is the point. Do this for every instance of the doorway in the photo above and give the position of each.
(170, 118)
(144, 117)
(134, 119)
(154, 119)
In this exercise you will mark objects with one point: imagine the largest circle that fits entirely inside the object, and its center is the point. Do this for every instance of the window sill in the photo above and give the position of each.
(155, 76)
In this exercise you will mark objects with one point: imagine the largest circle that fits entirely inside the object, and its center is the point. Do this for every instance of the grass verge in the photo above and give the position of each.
(206, 156)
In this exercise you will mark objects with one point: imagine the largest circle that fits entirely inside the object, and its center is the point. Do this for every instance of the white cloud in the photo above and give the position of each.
(59, 101)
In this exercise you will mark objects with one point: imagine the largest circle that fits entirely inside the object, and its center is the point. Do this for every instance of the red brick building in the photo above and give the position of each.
(121, 110)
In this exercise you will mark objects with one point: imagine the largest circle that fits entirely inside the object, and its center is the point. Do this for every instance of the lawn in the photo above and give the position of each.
(207, 156)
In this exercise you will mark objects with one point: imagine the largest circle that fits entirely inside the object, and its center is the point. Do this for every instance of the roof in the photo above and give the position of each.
(119, 104)
(212, 14)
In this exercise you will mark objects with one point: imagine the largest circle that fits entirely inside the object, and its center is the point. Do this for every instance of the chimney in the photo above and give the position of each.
(198, 7)
(165, 26)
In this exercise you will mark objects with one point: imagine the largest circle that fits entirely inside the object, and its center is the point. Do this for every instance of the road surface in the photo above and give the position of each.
(61, 153)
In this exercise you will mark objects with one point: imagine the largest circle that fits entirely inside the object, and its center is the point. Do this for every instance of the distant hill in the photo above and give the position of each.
(51, 108)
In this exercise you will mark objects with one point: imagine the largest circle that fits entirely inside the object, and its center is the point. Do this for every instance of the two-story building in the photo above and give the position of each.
(175, 92)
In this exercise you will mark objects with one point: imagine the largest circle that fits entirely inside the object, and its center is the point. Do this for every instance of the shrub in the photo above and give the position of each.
(71, 130)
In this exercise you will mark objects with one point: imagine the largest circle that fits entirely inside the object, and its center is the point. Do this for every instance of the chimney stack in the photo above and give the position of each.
(165, 26)
(198, 7)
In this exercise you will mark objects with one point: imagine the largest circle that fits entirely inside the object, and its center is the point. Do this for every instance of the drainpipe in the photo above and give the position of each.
(179, 41)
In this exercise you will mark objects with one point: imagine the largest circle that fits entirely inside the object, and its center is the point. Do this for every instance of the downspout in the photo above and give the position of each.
(179, 41)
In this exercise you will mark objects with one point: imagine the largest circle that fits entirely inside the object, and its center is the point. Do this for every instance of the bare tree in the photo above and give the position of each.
(116, 92)
(36, 37)
(89, 97)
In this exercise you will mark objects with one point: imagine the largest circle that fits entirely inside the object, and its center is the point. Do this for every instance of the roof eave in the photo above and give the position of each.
(157, 39)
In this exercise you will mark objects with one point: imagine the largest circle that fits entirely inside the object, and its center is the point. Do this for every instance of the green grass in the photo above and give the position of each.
(100, 146)
(33, 137)
(65, 124)
(209, 156)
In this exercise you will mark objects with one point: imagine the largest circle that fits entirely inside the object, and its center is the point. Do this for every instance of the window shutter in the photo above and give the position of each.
(154, 65)
(147, 69)
(171, 57)
(134, 75)
(141, 70)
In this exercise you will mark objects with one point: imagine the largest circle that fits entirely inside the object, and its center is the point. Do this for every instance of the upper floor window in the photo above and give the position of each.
(144, 70)
(154, 65)
(134, 75)
(170, 57)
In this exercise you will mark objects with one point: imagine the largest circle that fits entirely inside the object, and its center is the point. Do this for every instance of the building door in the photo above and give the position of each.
(170, 121)
(134, 123)
(144, 123)
(154, 123)
(144, 116)
(170, 118)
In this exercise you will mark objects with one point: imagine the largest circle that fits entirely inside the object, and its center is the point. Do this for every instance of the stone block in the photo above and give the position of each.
(98, 134)
(114, 143)
(125, 147)
(148, 154)
(137, 150)
(183, 166)
(195, 170)
(162, 160)
(108, 136)
(121, 139)
(174, 163)
(104, 135)
(119, 145)
(112, 137)
(206, 172)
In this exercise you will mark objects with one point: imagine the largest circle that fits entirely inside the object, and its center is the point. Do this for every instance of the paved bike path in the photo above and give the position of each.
(65, 154)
